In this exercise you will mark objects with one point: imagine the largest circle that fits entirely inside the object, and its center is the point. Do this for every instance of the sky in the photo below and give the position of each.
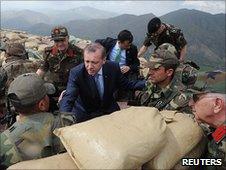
(121, 7)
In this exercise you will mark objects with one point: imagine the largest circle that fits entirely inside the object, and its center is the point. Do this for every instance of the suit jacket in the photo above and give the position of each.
(131, 54)
(82, 98)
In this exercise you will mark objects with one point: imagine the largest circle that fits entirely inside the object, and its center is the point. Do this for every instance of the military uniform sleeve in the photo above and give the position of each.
(62, 119)
(45, 64)
(147, 41)
(180, 103)
(79, 52)
(180, 40)
(9, 153)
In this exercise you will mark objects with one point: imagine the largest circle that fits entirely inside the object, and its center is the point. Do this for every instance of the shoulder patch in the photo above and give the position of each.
(219, 134)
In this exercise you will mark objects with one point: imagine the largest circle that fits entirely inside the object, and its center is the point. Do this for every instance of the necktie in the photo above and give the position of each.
(118, 56)
(99, 84)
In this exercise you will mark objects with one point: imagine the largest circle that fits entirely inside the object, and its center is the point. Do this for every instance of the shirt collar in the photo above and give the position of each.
(117, 46)
(100, 72)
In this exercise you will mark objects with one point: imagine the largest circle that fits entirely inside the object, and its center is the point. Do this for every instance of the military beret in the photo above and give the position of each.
(153, 25)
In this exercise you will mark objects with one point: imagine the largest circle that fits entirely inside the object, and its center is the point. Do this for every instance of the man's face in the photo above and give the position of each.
(158, 32)
(62, 44)
(93, 61)
(125, 45)
(44, 104)
(203, 107)
(158, 75)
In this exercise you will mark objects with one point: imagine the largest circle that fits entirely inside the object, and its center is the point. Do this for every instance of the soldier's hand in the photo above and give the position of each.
(147, 41)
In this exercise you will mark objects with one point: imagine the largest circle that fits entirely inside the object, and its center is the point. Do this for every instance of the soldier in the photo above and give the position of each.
(187, 71)
(163, 90)
(159, 33)
(60, 58)
(31, 136)
(209, 107)
(17, 62)
(3, 80)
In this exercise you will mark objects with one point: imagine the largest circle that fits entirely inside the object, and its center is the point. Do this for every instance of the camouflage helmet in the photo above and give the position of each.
(16, 49)
(59, 33)
(153, 25)
(169, 47)
(3, 79)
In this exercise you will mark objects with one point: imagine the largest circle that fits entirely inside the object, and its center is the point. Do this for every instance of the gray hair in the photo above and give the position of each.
(93, 47)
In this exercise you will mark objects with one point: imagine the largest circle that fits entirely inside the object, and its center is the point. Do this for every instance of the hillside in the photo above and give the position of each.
(205, 33)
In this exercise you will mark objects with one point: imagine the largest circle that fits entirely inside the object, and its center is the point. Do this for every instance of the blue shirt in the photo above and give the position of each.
(100, 82)
(114, 53)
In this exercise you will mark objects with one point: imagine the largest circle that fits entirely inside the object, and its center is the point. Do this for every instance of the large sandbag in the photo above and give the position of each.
(61, 161)
(183, 134)
(196, 152)
(125, 139)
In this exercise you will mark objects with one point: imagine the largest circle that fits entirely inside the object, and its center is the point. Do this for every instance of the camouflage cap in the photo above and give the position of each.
(169, 47)
(153, 25)
(27, 89)
(15, 49)
(59, 33)
(162, 57)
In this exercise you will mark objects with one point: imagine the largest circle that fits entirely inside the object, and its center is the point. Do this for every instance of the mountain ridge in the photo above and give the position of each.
(204, 32)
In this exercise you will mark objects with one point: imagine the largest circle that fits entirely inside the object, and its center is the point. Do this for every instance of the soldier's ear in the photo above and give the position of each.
(218, 105)
(44, 104)
(169, 72)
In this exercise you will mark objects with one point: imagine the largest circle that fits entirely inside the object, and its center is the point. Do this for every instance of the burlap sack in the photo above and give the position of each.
(196, 152)
(61, 161)
(183, 134)
(125, 139)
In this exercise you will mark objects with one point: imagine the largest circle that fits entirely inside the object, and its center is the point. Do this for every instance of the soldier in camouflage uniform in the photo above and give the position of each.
(187, 71)
(209, 107)
(3, 80)
(31, 136)
(17, 62)
(159, 33)
(60, 58)
(163, 90)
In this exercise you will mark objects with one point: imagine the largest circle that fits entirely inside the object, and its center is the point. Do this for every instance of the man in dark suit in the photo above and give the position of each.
(91, 85)
(122, 51)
